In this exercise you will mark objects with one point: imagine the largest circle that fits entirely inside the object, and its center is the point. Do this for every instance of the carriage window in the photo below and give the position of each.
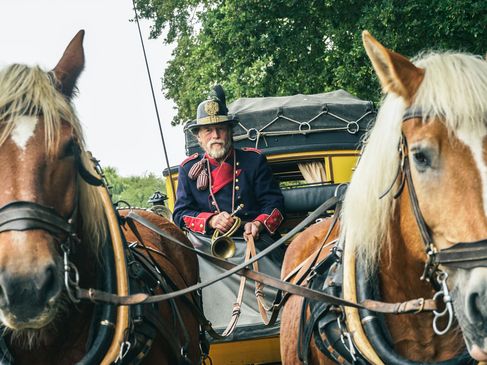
(292, 173)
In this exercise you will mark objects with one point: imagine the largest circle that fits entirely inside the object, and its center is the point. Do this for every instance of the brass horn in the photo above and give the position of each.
(222, 245)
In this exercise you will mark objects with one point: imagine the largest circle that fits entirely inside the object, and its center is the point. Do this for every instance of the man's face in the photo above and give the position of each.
(215, 140)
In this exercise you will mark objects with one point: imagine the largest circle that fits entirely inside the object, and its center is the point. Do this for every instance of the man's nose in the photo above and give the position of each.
(215, 134)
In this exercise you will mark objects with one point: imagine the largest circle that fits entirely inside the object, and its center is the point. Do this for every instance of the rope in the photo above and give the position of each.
(154, 100)
(352, 127)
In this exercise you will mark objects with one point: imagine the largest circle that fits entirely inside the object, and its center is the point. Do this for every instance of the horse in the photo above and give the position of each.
(418, 194)
(53, 217)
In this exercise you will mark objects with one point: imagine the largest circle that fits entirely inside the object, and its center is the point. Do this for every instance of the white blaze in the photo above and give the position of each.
(23, 130)
(475, 142)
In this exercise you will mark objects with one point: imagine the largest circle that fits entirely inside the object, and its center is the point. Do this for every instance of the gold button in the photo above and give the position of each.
(238, 163)
(192, 224)
(236, 180)
(237, 188)
(201, 226)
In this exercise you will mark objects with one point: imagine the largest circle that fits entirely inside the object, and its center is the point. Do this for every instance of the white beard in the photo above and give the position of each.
(217, 152)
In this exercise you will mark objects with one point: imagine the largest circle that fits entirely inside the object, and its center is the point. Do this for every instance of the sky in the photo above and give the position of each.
(114, 103)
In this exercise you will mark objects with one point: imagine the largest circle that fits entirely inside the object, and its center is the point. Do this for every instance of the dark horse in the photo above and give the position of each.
(41, 156)
(432, 128)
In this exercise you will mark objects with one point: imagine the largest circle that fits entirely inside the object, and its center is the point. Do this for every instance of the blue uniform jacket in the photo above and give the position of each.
(255, 188)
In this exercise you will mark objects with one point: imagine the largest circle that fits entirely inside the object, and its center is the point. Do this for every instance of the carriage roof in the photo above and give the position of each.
(333, 120)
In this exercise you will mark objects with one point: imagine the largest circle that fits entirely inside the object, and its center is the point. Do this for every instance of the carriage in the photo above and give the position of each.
(312, 144)
(74, 289)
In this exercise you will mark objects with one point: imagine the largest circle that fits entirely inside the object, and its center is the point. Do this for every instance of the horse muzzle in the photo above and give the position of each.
(470, 302)
(26, 299)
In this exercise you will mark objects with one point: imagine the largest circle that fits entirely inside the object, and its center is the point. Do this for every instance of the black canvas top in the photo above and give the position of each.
(334, 120)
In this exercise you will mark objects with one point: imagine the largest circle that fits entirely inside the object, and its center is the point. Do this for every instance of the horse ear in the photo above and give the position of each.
(71, 64)
(396, 73)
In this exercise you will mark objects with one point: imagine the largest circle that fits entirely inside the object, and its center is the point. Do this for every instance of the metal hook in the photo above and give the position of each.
(447, 299)
(346, 339)
(124, 349)
(70, 282)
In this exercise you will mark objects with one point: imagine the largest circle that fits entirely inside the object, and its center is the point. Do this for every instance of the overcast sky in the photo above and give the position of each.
(114, 102)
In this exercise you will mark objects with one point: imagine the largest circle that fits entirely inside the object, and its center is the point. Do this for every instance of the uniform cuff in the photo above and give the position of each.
(198, 223)
(271, 222)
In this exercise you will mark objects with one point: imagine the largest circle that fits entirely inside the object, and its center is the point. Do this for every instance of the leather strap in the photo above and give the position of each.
(237, 306)
(25, 215)
(464, 255)
(99, 296)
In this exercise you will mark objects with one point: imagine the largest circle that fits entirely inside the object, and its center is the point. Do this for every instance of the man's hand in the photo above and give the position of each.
(222, 221)
(254, 228)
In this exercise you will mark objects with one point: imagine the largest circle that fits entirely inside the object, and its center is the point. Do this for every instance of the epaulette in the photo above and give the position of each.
(256, 150)
(189, 158)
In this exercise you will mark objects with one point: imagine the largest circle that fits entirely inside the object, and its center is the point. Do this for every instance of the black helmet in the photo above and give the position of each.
(212, 111)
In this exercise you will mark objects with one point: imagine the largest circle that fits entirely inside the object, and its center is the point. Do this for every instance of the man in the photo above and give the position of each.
(224, 181)
(213, 188)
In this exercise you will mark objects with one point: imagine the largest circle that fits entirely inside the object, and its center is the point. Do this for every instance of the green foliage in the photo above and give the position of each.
(283, 47)
(135, 190)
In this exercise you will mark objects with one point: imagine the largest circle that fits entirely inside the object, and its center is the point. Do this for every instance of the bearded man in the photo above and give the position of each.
(213, 188)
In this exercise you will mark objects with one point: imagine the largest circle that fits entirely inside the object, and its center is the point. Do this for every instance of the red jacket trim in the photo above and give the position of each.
(198, 223)
(271, 222)
(256, 150)
(189, 158)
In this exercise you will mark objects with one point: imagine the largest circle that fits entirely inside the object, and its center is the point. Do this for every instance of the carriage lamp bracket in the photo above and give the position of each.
(71, 275)
(447, 299)
(346, 338)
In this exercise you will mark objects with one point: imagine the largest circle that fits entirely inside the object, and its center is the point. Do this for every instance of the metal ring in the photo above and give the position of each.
(252, 134)
(353, 127)
(302, 130)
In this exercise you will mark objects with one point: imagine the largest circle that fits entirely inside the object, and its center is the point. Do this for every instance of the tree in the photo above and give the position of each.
(135, 190)
(283, 47)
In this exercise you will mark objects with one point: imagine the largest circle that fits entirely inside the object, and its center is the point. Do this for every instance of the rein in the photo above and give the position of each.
(412, 306)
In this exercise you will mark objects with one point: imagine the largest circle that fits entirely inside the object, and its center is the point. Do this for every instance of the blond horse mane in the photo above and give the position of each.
(455, 88)
(28, 90)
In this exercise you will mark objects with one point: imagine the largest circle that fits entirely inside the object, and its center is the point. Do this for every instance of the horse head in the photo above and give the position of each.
(432, 126)
(40, 148)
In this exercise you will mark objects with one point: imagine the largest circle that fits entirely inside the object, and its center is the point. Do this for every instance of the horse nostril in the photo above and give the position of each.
(3, 297)
(476, 309)
(49, 283)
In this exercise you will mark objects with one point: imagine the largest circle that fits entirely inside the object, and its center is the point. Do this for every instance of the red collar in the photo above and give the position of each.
(216, 163)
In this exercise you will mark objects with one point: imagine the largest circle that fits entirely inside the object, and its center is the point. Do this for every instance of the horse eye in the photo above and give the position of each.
(68, 149)
(421, 160)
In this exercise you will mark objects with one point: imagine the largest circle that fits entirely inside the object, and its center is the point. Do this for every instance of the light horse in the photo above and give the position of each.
(432, 127)
(49, 209)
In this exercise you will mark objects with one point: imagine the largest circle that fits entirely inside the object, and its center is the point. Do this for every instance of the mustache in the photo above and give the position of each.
(216, 141)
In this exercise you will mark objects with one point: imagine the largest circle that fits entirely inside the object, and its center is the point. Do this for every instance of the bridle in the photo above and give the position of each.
(461, 255)
(22, 215)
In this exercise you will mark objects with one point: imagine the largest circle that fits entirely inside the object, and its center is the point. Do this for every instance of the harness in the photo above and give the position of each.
(142, 323)
(370, 342)
(30, 215)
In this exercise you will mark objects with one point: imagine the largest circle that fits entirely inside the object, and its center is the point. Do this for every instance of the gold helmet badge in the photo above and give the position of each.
(211, 107)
